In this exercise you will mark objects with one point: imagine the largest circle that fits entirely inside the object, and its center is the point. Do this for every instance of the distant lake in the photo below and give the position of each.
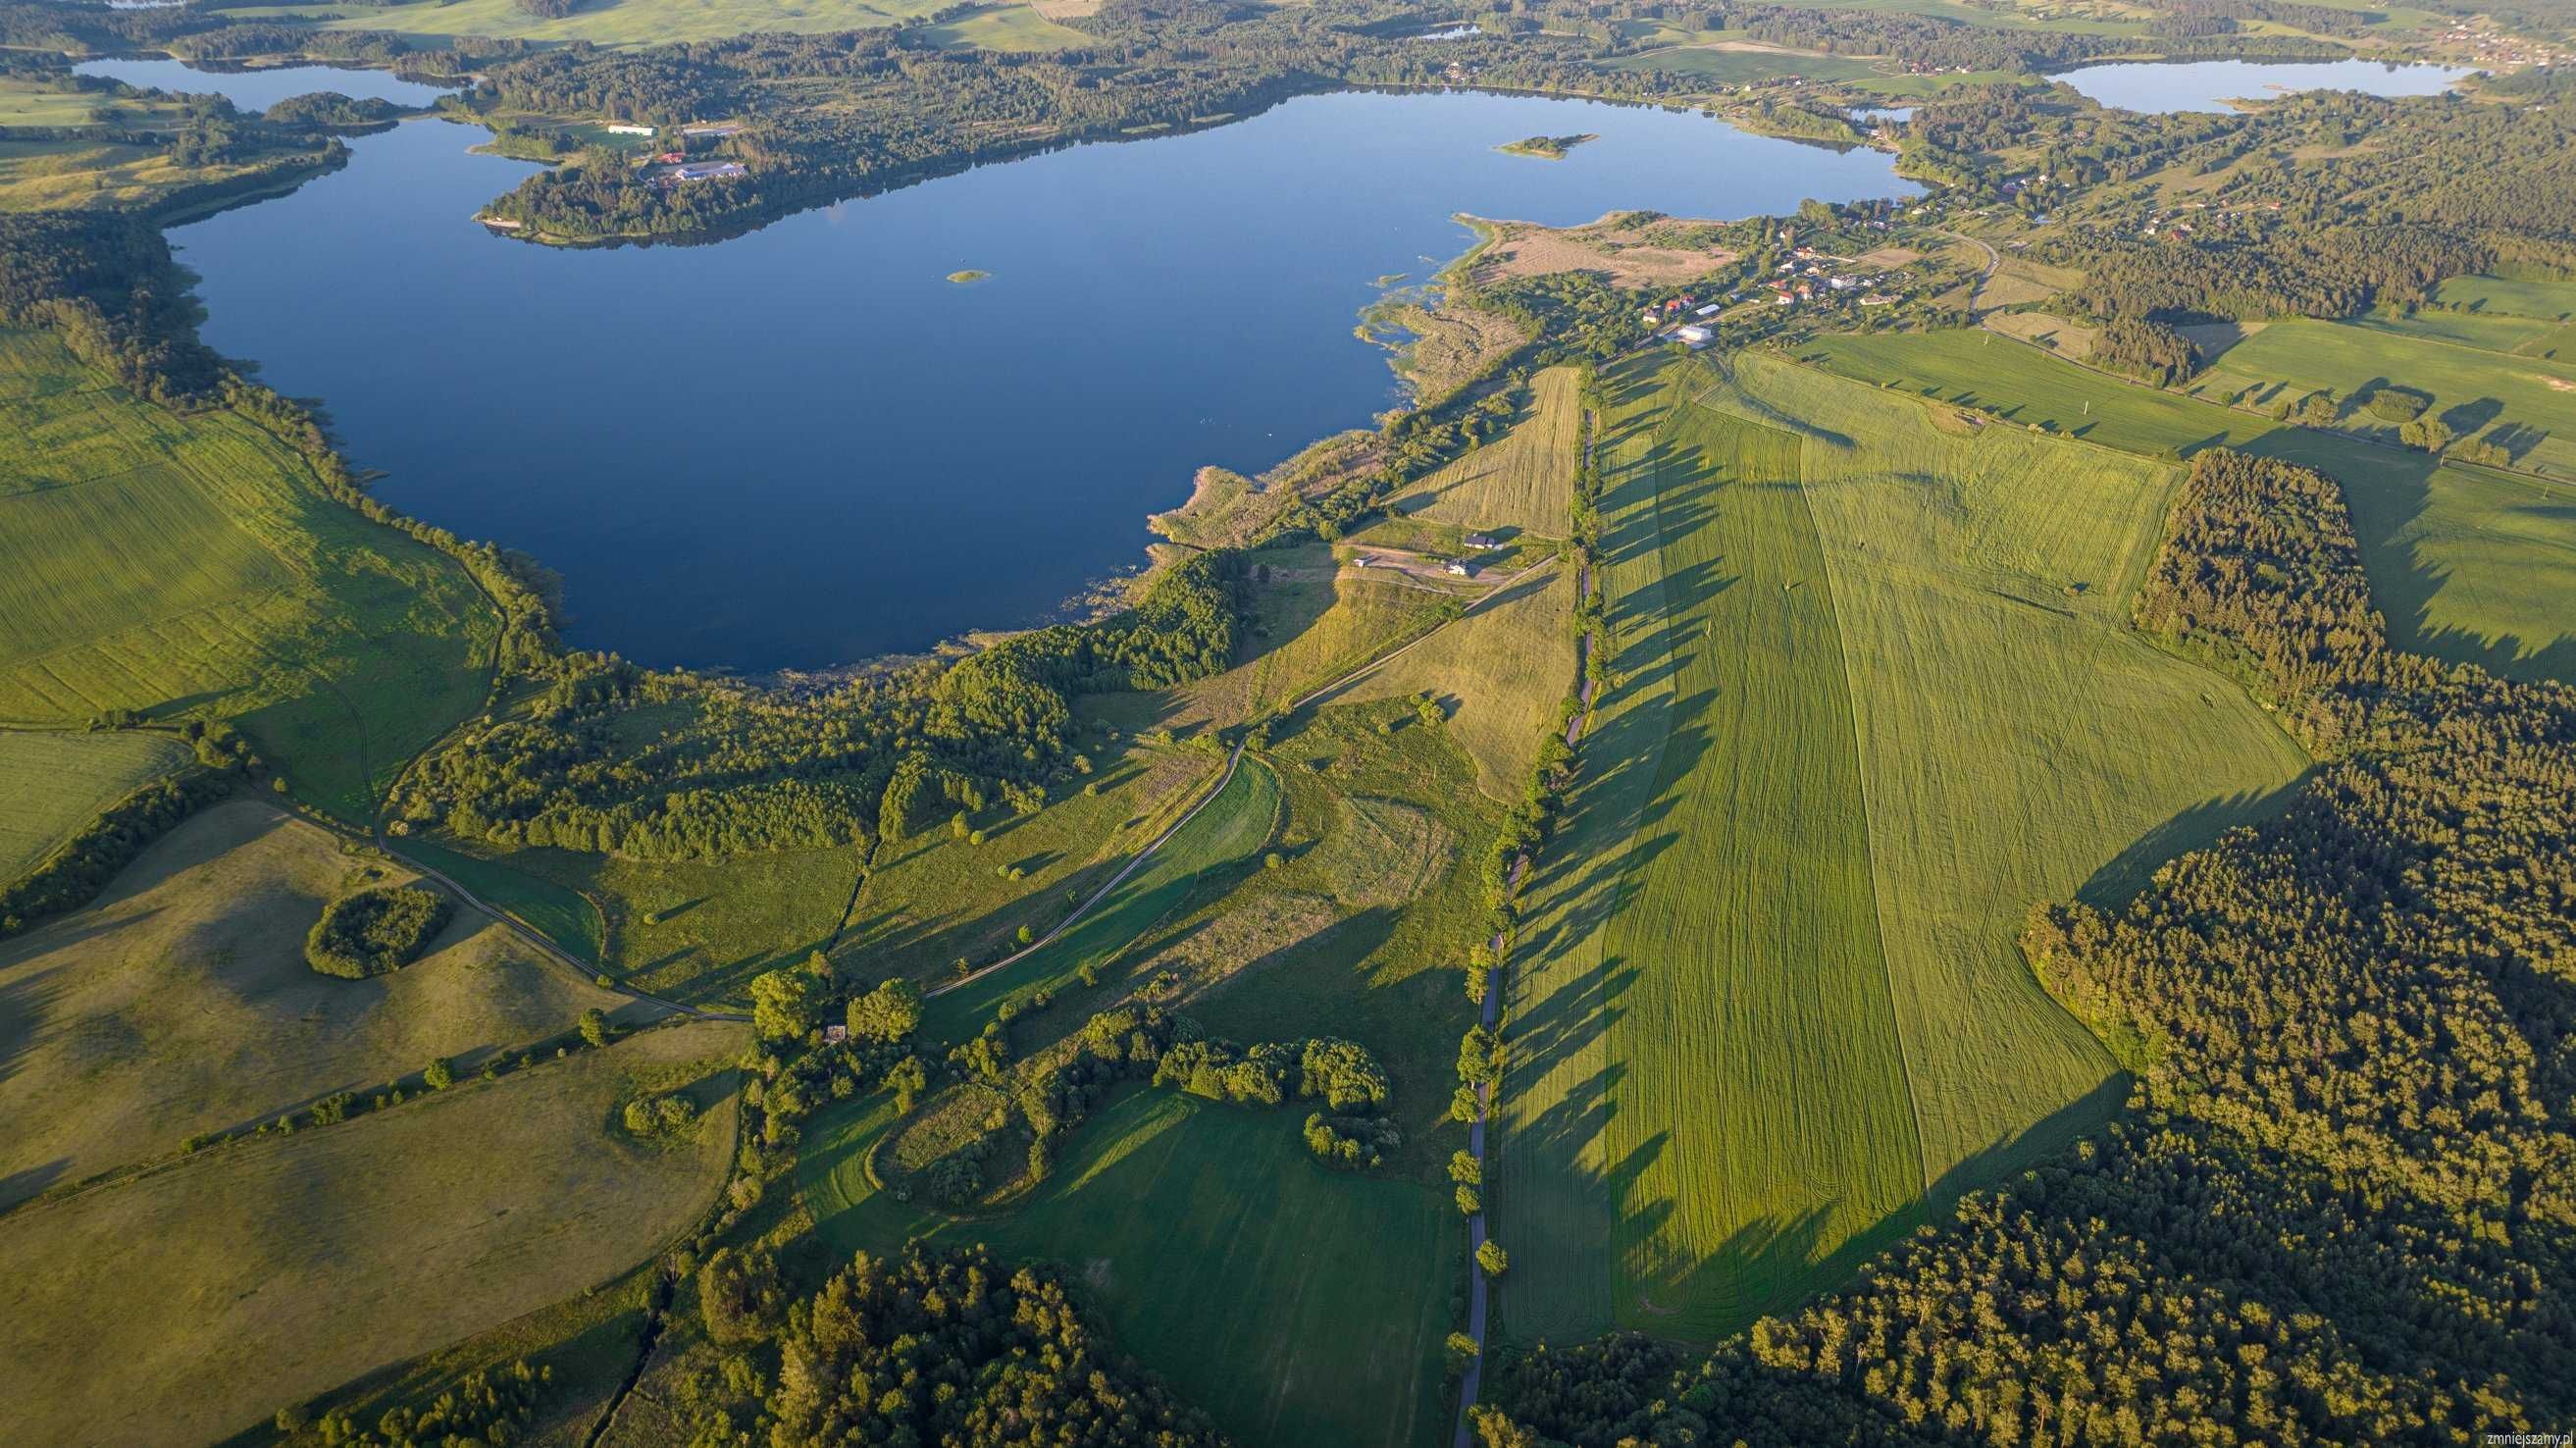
(257, 90)
(806, 446)
(2207, 85)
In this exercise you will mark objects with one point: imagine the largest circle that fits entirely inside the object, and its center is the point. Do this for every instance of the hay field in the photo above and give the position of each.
(262, 1274)
(2468, 563)
(1766, 1003)
(185, 565)
(1500, 672)
(1523, 481)
(56, 783)
(181, 1003)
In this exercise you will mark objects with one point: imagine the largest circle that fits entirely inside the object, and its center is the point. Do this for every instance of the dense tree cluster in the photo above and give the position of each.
(612, 758)
(490, 1407)
(73, 872)
(375, 931)
(2339, 1208)
(945, 1348)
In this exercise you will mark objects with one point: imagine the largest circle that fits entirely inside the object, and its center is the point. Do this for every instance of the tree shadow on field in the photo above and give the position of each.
(2123, 875)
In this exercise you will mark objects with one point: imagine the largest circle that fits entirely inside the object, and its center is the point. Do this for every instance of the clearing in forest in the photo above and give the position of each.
(55, 784)
(2469, 564)
(1874, 697)
(265, 1272)
(181, 1003)
(189, 564)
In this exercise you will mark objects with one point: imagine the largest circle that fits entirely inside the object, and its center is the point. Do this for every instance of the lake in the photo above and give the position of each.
(257, 90)
(2207, 85)
(805, 446)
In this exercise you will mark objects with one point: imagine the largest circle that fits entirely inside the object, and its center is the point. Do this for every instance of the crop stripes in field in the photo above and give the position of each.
(1852, 687)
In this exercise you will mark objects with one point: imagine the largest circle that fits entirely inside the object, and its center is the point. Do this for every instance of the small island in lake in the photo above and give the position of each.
(969, 275)
(1549, 148)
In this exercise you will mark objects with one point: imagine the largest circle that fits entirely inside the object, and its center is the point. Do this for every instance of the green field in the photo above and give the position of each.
(2548, 301)
(1523, 481)
(1217, 840)
(57, 783)
(185, 565)
(2469, 564)
(2474, 390)
(1500, 672)
(1767, 998)
(1313, 622)
(628, 22)
(1753, 66)
(194, 1301)
(2486, 331)
(1296, 1304)
(181, 1003)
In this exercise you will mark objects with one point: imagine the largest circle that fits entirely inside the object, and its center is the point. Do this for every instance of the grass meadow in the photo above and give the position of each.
(1500, 672)
(1218, 841)
(180, 1002)
(269, 1271)
(185, 565)
(57, 783)
(2472, 389)
(1296, 1304)
(638, 22)
(2469, 564)
(1522, 482)
(1873, 698)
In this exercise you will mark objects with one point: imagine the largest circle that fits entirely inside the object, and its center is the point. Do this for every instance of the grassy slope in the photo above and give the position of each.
(1767, 996)
(1296, 1304)
(181, 1003)
(1521, 482)
(1216, 840)
(56, 783)
(265, 1273)
(2017, 742)
(2550, 301)
(2467, 563)
(184, 564)
(628, 22)
(2472, 388)
(939, 898)
(1500, 672)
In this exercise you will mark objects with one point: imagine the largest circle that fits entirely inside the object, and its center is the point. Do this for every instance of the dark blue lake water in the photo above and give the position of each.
(257, 90)
(804, 446)
(2207, 85)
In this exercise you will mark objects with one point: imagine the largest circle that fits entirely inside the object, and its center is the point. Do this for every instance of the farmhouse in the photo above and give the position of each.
(708, 170)
(1487, 542)
(626, 128)
(1460, 567)
(1695, 336)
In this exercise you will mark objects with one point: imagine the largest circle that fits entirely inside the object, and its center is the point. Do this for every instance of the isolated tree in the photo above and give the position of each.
(784, 1004)
(1465, 1169)
(1470, 1202)
(594, 1027)
(738, 1294)
(889, 1013)
(907, 1080)
(1493, 1258)
(1462, 1350)
(439, 1076)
